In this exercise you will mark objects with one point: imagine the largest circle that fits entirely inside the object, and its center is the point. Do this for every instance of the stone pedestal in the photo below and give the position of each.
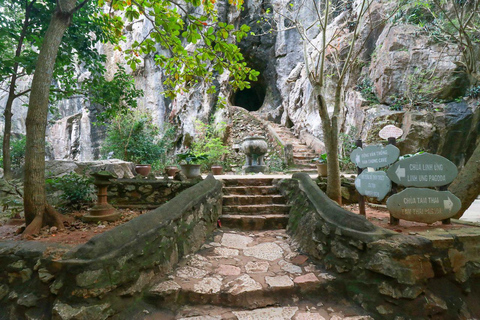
(102, 210)
(255, 148)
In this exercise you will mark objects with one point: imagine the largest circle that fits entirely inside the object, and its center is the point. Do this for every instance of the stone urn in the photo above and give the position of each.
(102, 210)
(255, 148)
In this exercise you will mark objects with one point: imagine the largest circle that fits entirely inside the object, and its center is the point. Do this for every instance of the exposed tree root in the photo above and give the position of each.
(49, 217)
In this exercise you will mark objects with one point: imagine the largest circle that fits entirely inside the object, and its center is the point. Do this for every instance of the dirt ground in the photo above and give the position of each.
(77, 232)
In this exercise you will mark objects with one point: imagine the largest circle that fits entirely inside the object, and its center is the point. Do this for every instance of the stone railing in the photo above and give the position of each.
(429, 274)
(97, 279)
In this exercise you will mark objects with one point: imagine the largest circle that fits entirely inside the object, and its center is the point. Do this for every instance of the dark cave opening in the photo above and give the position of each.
(250, 99)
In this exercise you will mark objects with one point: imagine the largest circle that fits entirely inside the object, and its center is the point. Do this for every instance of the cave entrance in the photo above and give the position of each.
(250, 99)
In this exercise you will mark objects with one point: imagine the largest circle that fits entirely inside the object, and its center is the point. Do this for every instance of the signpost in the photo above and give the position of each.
(424, 170)
(423, 205)
(373, 184)
(375, 156)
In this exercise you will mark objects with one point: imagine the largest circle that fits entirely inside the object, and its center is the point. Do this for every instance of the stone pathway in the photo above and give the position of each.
(250, 275)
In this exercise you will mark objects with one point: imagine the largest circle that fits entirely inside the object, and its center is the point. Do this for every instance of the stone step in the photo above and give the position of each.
(248, 182)
(260, 209)
(303, 156)
(301, 310)
(306, 162)
(253, 199)
(242, 269)
(255, 222)
(250, 190)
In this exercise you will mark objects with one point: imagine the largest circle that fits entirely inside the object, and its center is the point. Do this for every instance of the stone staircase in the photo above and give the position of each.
(253, 204)
(302, 154)
(249, 269)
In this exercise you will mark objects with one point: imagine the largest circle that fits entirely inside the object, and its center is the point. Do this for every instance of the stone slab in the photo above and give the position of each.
(243, 284)
(190, 273)
(257, 267)
(208, 286)
(228, 270)
(235, 241)
(225, 252)
(285, 313)
(309, 316)
(279, 282)
(289, 267)
(266, 251)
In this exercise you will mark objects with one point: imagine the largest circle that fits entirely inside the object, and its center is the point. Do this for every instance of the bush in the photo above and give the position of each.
(76, 190)
(209, 141)
(136, 138)
(17, 152)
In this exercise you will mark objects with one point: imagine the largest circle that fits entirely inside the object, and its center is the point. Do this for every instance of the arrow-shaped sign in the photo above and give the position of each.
(400, 172)
(448, 204)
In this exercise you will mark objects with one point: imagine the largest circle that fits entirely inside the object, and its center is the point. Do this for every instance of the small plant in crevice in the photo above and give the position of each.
(473, 92)
(366, 89)
(75, 190)
(275, 163)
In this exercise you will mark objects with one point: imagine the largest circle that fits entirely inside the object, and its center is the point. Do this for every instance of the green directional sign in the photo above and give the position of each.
(424, 170)
(423, 205)
(375, 156)
(373, 184)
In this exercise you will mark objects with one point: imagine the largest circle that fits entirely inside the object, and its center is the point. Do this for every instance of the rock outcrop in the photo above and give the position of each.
(399, 66)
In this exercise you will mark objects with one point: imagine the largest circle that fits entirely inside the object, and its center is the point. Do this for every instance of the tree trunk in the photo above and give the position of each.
(467, 184)
(7, 159)
(34, 191)
(330, 133)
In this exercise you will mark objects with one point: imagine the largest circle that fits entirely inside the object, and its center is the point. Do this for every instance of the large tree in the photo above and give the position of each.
(331, 47)
(174, 26)
(23, 23)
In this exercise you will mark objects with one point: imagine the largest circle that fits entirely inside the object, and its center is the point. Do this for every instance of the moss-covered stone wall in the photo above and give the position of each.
(144, 193)
(429, 275)
(99, 278)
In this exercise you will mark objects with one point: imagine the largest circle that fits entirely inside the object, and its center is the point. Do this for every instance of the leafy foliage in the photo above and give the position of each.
(209, 141)
(76, 190)
(134, 137)
(191, 158)
(174, 27)
(116, 96)
(17, 152)
(366, 89)
(473, 92)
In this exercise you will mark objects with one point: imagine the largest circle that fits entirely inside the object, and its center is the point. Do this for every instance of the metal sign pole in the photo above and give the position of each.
(393, 221)
(361, 199)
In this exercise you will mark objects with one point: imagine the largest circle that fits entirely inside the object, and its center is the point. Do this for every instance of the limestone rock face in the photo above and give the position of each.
(401, 62)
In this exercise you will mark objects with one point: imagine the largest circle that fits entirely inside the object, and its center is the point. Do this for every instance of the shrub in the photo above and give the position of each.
(208, 141)
(136, 138)
(76, 190)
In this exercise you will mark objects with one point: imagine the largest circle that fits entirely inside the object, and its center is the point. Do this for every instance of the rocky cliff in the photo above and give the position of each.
(401, 77)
